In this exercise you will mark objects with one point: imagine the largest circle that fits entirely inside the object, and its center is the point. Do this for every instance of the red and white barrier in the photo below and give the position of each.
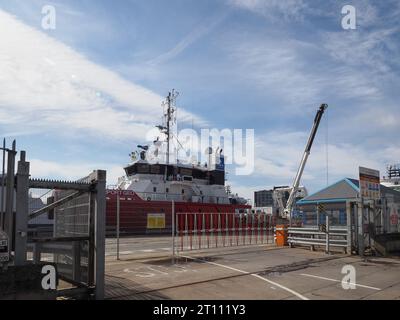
(197, 231)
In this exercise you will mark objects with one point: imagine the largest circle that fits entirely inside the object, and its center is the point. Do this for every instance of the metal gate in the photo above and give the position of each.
(57, 222)
(369, 223)
(197, 231)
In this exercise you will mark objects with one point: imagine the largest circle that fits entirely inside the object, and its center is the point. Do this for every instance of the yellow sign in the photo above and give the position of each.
(156, 221)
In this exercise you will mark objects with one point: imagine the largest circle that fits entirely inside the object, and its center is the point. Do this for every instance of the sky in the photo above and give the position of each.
(81, 97)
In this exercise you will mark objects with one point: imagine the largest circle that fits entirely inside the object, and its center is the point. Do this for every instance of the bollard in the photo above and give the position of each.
(281, 235)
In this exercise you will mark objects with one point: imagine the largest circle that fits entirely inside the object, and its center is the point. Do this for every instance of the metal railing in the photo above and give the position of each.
(332, 237)
(197, 231)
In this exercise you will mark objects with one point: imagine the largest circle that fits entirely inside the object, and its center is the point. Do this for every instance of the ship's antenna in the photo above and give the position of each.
(170, 103)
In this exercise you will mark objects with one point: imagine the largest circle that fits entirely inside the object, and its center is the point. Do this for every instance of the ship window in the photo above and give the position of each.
(183, 191)
(143, 168)
(185, 172)
(154, 189)
(167, 190)
(155, 169)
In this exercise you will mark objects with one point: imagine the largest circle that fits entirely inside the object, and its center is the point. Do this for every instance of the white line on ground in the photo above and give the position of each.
(124, 253)
(334, 280)
(253, 275)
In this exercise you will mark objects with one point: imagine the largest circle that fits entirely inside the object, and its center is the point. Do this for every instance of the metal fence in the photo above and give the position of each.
(58, 222)
(76, 244)
(7, 201)
(336, 238)
(197, 231)
(69, 221)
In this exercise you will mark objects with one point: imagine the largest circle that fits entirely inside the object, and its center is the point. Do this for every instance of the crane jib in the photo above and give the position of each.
(307, 152)
(317, 121)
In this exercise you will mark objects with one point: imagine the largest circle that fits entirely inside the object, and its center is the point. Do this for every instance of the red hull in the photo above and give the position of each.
(134, 212)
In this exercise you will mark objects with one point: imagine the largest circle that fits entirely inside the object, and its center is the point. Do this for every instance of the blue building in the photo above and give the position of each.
(332, 201)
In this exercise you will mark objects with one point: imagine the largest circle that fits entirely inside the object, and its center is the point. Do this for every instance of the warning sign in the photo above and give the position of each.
(394, 219)
(4, 257)
(156, 221)
(370, 184)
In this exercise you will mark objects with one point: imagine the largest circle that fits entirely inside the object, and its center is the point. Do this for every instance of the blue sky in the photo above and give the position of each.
(80, 97)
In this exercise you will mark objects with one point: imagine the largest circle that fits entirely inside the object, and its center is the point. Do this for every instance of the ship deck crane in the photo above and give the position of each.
(307, 152)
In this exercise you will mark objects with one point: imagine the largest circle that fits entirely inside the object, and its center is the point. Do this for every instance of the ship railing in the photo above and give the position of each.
(180, 198)
(160, 196)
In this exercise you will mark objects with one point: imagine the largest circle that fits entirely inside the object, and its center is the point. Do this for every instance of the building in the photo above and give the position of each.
(274, 201)
(263, 198)
(332, 201)
(392, 179)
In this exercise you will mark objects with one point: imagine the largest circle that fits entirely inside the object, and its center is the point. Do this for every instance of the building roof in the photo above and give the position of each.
(341, 191)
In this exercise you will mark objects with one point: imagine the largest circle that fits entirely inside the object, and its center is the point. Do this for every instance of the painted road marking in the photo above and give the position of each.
(124, 253)
(253, 275)
(152, 271)
(334, 280)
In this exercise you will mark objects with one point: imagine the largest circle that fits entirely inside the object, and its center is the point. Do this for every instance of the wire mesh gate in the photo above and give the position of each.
(74, 244)
(73, 213)
(197, 231)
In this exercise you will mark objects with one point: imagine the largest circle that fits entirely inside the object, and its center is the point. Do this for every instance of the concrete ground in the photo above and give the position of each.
(146, 271)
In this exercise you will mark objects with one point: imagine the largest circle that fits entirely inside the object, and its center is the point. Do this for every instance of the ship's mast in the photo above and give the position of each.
(169, 117)
(169, 98)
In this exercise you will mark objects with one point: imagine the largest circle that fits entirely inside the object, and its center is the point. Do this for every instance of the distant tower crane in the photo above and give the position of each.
(307, 152)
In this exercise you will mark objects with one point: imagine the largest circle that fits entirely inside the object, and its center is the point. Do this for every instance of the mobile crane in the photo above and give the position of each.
(289, 205)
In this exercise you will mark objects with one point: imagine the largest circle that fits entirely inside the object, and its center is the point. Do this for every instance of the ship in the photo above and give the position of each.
(392, 179)
(156, 184)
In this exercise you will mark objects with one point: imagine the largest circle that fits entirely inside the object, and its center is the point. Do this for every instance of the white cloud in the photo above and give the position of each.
(278, 158)
(205, 28)
(288, 9)
(300, 73)
(47, 86)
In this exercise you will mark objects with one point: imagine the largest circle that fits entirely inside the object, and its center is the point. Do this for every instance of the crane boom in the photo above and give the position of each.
(296, 183)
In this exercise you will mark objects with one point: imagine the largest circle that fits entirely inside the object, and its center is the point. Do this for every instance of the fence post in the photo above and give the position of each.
(360, 231)
(76, 267)
(3, 183)
(37, 256)
(100, 228)
(22, 211)
(327, 234)
(9, 217)
(349, 227)
(118, 221)
(173, 230)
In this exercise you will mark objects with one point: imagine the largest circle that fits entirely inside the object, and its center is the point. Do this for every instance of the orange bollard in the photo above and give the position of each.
(281, 236)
